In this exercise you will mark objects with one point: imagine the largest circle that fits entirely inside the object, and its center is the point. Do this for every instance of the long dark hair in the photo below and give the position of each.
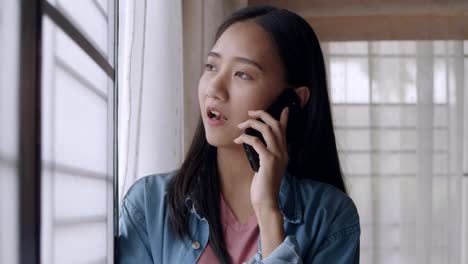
(314, 156)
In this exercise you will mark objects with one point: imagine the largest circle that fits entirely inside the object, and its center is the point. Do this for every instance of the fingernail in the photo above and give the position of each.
(251, 112)
(240, 125)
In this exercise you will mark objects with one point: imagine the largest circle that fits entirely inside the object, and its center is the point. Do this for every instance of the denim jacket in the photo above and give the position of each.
(321, 224)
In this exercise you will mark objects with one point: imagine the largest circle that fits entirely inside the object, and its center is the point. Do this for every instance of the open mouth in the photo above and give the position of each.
(215, 115)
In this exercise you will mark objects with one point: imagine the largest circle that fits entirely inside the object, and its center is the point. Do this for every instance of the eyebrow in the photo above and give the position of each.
(240, 59)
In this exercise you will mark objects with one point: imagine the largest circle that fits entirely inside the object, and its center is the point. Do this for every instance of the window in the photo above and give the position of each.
(9, 81)
(77, 131)
(397, 113)
(58, 103)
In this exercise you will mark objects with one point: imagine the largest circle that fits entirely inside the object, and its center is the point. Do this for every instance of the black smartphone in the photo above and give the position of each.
(288, 98)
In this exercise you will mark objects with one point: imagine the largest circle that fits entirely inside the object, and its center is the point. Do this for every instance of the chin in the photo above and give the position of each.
(219, 137)
(220, 141)
(216, 141)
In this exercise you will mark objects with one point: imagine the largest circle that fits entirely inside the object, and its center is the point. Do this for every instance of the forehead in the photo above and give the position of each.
(247, 39)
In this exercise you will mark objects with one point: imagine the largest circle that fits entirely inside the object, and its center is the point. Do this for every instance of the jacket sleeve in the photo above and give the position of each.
(133, 242)
(341, 247)
(286, 252)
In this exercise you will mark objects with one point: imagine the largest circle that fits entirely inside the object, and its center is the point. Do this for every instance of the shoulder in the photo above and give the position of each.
(328, 208)
(149, 190)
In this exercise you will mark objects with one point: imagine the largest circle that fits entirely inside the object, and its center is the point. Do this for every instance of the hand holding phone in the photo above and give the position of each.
(288, 98)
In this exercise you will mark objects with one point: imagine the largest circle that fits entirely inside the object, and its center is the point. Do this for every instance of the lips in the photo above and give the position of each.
(212, 111)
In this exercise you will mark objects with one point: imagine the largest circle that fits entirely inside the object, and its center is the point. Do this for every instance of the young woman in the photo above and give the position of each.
(216, 208)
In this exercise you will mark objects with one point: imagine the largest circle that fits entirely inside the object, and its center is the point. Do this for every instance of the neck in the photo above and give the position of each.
(234, 171)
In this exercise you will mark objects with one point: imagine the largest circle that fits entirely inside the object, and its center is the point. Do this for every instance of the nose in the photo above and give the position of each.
(217, 87)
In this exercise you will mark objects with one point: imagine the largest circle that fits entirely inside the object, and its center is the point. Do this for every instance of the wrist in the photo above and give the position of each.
(268, 214)
(271, 225)
(267, 206)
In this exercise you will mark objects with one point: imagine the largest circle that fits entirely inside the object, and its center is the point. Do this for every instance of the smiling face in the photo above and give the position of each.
(243, 72)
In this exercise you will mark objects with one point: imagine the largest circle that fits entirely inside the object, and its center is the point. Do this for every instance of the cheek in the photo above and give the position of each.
(201, 93)
(254, 101)
(201, 90)
(245, 104)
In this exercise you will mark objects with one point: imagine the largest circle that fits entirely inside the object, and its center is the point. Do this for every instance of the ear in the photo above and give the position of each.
(303, 93)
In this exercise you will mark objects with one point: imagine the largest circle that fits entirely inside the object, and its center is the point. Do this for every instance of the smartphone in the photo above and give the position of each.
(288, 98)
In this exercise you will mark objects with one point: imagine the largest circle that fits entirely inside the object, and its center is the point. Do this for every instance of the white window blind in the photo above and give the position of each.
(398, 118)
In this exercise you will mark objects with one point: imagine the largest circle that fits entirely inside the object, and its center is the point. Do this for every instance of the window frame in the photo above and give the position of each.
(29, 142)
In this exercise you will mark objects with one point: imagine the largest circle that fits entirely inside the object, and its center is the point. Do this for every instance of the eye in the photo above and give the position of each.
(243, 75)
(209, 67)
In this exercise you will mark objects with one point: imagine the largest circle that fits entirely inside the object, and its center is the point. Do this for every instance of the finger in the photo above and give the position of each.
(268, 119)
(255, 142)
(266, 131)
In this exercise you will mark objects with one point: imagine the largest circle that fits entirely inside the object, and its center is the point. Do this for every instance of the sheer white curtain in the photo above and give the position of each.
(398, 111)
(161, 55)
(150, 89)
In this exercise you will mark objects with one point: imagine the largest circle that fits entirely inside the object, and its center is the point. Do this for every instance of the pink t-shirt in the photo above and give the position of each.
(241, 239)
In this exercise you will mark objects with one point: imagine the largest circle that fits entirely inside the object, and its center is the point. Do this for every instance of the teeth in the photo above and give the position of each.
(216, 115)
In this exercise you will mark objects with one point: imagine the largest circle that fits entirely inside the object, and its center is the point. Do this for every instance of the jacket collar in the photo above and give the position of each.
(289, 200)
